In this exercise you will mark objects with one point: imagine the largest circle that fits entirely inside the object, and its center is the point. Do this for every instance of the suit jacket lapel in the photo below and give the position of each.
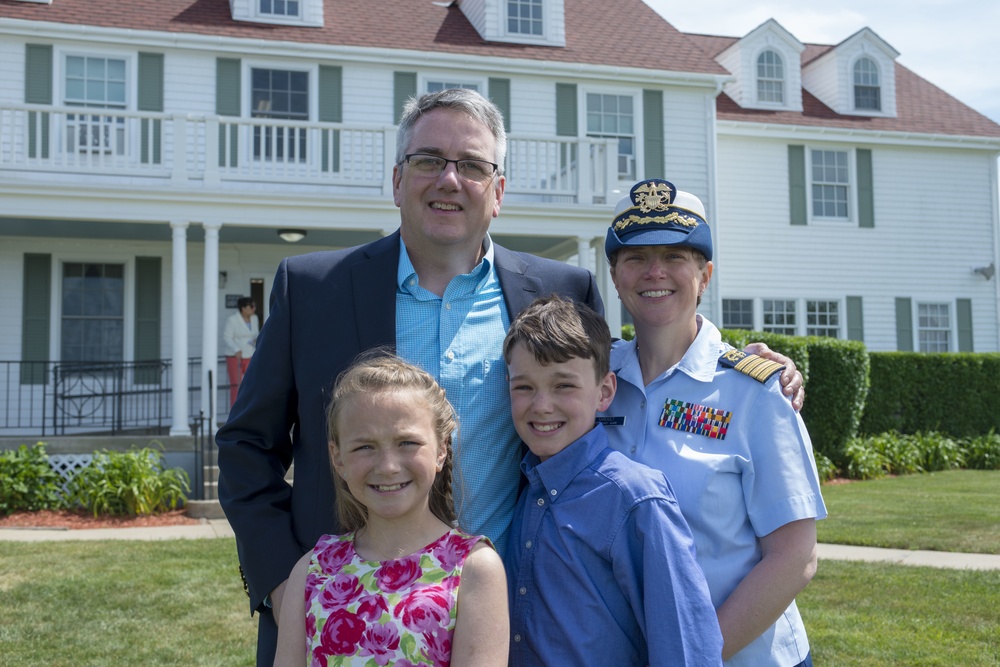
(374, 284)
(519, 288)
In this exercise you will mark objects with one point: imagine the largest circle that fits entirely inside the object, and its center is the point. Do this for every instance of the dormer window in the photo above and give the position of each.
(770, 78)
(524, 17)
(867, 91)
(289, 8)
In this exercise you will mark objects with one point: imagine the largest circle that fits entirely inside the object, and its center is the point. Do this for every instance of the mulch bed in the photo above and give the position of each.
(82, 520)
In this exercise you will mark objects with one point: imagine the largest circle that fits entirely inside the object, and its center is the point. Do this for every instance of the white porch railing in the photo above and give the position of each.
(220, 150)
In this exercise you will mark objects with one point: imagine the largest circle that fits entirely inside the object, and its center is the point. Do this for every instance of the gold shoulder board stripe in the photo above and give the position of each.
(758, 368)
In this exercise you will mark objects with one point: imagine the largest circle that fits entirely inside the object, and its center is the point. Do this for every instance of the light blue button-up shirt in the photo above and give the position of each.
(601, 567)
(458, 338)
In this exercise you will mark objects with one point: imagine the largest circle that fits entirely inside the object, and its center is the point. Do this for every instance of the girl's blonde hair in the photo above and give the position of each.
(383, 372)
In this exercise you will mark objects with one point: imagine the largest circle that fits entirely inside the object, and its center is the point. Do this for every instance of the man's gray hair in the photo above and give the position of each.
(460, 99)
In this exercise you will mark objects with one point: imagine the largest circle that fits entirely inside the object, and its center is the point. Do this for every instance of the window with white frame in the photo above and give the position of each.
(737, 313)
(779, 316)
(612, 116)
(93, 312)
(770, 78)
(867, 91)
(823, 318)
(435, 86)
(934, 327)
(830, 184)
(98, 83)
(282, 95)
(524, 17)
(289, 8)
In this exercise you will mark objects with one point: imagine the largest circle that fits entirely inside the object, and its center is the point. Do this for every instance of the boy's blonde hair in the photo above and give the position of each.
(555, 330)
(381, 372)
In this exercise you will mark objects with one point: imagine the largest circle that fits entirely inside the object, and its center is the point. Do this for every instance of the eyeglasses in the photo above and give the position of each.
(469, 169)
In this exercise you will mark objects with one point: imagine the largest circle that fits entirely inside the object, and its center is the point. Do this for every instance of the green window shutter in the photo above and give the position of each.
(866, 190)
(963, 308)
(798, 211)
(566, 120)
(227, 103)
(499, 91)
(904, 325)
(38, 90)
(331, 110)
(855, 319)
(404, 86)
(150, 98)
(652, 132)
(147, 319)
(35, 313)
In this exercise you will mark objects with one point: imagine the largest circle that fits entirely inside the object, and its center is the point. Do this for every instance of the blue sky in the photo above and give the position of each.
(951, 43)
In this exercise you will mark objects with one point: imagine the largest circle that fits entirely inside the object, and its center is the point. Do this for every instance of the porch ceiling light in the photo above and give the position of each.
(292, 235)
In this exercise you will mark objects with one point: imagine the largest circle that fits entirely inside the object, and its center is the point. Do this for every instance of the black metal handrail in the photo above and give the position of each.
(39, 398)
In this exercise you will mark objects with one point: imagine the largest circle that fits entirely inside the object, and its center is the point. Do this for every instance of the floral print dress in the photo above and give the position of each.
(398, 612)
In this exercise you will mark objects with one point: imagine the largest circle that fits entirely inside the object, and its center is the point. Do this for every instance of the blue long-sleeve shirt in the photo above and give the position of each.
(601, 566)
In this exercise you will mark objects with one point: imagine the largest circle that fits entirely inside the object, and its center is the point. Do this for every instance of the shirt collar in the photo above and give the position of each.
(558, 471)
(406, 275)
(699, 362)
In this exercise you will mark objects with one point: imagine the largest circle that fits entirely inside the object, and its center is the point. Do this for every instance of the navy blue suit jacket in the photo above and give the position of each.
(325, 309)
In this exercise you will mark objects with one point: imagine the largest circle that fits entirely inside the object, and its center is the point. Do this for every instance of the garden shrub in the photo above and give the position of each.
(862, 461)
(28, 482)
(983, 452)
(901, 454)
(938, 452)
(825, 467)
(133, 483)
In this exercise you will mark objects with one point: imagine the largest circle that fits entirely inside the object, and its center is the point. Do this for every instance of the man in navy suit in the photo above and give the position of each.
(441, 293)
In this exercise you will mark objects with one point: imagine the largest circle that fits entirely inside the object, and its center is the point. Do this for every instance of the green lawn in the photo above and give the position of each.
(112, 604)
(957, 510)
(180, 602)
(880, 615)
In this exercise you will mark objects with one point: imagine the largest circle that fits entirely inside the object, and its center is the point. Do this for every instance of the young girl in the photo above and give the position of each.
(402, 587)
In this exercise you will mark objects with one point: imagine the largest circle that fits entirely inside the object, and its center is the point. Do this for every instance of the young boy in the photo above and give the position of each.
(600, 564)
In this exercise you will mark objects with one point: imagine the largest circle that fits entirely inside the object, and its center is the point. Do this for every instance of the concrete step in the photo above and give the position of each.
(204, 509)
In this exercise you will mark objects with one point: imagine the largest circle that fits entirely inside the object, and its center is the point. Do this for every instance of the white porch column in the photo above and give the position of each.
(179, 352)
(612, 306)
(583, 253)
(210, 326)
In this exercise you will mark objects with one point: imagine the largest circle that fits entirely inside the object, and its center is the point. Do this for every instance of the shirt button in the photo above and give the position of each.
(642, 404)
(527, 545)
(450, 355)
(553, 492)
(413, 281)
(522, 590)
(517, 638)
(447, 306)
(633, 449)
(541, 501)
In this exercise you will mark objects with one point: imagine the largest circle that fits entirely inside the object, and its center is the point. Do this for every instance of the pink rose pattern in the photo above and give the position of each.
(399, 612)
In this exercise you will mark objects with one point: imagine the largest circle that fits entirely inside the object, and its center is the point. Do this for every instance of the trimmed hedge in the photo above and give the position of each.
(954, 393)
(837, 390)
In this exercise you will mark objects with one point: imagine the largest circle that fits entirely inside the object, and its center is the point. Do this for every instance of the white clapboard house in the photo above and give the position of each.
(158, 159)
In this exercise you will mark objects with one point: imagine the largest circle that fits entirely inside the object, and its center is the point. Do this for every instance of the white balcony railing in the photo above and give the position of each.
(221, 151)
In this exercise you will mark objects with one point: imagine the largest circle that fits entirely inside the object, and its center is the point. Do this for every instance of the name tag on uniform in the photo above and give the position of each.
(610, 421)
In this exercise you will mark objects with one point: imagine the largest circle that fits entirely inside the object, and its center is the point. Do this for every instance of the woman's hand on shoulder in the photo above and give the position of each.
(482, 629)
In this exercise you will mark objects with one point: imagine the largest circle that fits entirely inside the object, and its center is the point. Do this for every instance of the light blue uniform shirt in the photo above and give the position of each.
(731, 490)
(458, 338)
